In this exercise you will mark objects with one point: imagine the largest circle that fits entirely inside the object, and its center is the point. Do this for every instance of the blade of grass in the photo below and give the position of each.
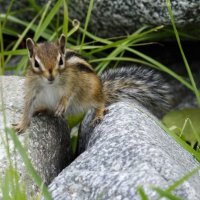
(2, 50)
(106, 41)
(196, 92)
(87, 22)
(164, 193)
(1, 36)
(118, 49)
(28, 164)
(184, 178)
(117, 61)
(183, 34)
(130, 39)
(180, 141)
(41, 20)
(142, 193)
(21, 66)
(161, 67)
(85, 47)
(34, 5)
(121, 46)
(11, 187)
(127, 59)
(22, 23)
(76, 25)
(14, 52)
(8, 31)
(93, 37)
(100, 68)
(65, 19)
(21, 37)
(7, 14)
(48, 19)
(4, 141)
(17, 21)
(194, 132)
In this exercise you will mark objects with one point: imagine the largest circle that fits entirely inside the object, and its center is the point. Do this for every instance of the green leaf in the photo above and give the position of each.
(74, 120)
(74, 141)
(184, 123)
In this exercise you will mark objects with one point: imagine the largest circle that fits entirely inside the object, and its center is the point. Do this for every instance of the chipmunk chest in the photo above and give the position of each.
(49, 97)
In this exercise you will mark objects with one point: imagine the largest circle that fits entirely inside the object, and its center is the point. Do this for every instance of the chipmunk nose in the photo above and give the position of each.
(51, 78)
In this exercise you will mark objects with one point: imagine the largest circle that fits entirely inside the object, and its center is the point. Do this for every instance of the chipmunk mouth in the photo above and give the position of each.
(50, 82)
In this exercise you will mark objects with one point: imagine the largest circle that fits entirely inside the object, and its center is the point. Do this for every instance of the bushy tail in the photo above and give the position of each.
(146, 86)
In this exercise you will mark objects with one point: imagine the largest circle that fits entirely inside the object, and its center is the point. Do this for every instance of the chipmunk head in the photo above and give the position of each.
(47, 59)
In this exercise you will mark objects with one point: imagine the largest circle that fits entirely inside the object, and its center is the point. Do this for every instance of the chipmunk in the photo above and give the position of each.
(60, 80)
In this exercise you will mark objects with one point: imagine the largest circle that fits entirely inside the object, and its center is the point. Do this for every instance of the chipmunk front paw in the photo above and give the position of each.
(19, 128)
(61, 108)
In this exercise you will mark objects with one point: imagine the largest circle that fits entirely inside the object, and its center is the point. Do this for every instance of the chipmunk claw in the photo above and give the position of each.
(105, 112)
(19, 128)
(60, 110)
(96, 121)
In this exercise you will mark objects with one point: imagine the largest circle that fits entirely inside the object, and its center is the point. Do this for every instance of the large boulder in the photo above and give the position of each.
(128, 149)
(116, 17)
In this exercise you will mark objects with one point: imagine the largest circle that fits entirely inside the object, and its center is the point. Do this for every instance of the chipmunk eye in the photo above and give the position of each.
(61, 61)
(37, 65)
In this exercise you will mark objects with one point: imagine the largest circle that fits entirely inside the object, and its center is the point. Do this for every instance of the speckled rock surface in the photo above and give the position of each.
(126, 150)
(123, 16)
(47, 139)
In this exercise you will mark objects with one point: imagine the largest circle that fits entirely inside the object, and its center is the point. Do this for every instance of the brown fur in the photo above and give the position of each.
(77, 82)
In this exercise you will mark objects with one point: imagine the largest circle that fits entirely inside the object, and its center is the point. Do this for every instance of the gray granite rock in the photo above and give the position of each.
(126, 150)
(117, 17)
(47, 140)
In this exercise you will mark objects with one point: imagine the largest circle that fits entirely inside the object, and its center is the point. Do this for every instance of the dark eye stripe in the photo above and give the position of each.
(61, 61)
(37, 65)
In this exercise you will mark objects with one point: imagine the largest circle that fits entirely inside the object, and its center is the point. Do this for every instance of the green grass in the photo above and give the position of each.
(196, 91)
(168, 193)
(102, 52)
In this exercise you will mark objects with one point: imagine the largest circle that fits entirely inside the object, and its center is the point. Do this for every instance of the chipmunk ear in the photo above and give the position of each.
(61, 43)
(30, 45)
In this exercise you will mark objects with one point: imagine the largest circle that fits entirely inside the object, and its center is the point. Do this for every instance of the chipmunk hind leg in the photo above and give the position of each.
(100, 111)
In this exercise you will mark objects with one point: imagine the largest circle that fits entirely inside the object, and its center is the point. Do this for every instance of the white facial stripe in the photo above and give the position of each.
(40, 63)
(58, 57)
(73, 60)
